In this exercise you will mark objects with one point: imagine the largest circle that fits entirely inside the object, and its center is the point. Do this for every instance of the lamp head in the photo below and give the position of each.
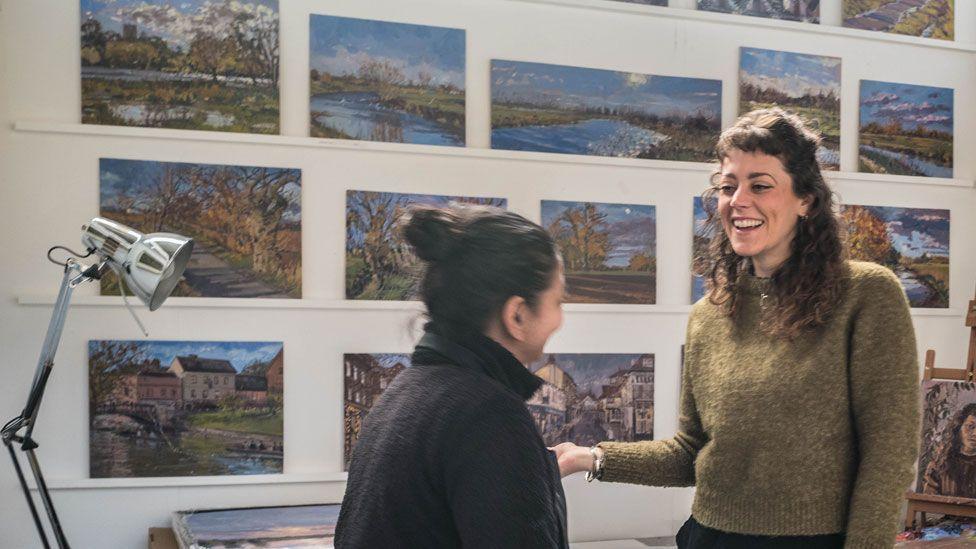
(150, 264)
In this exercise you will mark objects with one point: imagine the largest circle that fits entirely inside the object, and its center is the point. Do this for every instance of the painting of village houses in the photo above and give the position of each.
(588, 398)
(366, 376)
(574, 110)
(245, 221)
(379, 263)
(925, 18)
(905, 129)
(188, 64)
(806, 85)
(381, 81)
(807, 11)
(912, 242)
(608, 250)
(185, 408)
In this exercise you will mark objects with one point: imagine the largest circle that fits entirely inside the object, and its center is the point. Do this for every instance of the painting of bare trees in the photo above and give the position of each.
(381, 81)
(379, 264)
(246, 222)
(192, 64)
(608, 250)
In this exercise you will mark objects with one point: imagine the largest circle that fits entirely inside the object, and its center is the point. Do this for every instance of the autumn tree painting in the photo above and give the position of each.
(608, 250)
(193, 64)
(379, 263)
(912, 242)
(246, 222)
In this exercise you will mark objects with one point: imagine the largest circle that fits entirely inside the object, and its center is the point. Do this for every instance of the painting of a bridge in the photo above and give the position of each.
(185, 408)
(246, 222)
(588, 398)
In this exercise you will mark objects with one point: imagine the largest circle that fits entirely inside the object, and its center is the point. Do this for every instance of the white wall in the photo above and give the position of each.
(49, 186)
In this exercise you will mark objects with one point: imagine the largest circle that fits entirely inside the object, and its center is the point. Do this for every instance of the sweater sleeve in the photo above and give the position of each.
(669, 462)
(499, 485)
(883, 371)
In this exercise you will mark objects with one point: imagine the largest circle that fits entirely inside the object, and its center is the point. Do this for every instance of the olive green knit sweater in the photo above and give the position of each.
(812, 436)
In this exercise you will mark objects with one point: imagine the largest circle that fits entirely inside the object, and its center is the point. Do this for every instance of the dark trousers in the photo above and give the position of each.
(695, 536)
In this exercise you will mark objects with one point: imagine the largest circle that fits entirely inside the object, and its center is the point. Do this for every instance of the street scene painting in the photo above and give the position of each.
(245, 221)
(948, 439)
(912, 242)
(589, 398)
(185, 408)
(573, 110)
(924, 18)
(608, 250)
(192, 64)
(905, 129)
(701, 236)
(806, 11)
(379, 263)
(310, 526)
(380, 81)
(366, 376)
(806, 85)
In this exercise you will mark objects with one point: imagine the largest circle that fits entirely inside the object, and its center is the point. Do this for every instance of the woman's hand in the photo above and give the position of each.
(573, 458)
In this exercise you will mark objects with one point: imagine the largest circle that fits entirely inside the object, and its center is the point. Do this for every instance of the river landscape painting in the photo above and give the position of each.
(912, 242)
(608, 250)
(380, 81)
(245, 221)
(193, 64)
(924, 18)
(573, 110)
(905, 129)
(292, 526)
(379, 263)
(806, 85)
(185, 408)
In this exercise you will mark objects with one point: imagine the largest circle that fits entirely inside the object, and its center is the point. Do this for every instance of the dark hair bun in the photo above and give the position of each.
(433, 232)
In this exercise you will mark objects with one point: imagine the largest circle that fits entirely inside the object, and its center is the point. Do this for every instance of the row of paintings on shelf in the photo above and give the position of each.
(247, 224)
(393, 82)
(202, 408)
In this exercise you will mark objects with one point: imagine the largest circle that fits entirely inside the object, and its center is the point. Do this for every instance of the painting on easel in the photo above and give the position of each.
(947, 461)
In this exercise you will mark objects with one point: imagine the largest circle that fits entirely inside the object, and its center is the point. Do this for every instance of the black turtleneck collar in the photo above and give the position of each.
(477, 352)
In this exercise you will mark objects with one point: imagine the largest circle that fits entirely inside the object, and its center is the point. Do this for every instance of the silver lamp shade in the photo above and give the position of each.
(149, 264)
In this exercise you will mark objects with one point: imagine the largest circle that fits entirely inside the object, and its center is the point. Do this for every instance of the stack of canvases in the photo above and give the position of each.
(216, 407)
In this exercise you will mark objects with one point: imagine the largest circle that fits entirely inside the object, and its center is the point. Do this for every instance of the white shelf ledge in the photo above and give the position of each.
(356, 305)
(431, 150)
(185, 482)
(751, 21)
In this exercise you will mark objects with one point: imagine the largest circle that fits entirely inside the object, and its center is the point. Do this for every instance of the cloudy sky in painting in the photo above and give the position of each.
(589, 371)
(340, 45)
(795, 74)
(568, 87)
(910, 105)
(915, 231)
(239, 353)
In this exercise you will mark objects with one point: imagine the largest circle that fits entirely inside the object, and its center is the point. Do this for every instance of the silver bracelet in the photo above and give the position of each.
(596, 472)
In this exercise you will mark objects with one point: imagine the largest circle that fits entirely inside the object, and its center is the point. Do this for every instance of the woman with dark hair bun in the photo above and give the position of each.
(799, 412)
(449, 456)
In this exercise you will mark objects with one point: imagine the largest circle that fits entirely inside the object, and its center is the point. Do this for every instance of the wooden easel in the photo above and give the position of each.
(946, 505)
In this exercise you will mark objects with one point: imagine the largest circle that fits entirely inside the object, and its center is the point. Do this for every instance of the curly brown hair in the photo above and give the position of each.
(946, 463)
(810, 282)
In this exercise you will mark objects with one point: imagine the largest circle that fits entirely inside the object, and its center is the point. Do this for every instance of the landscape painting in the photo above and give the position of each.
(310, 526)
(379, 263)
(379, 81)
(924, 18)
(185, 408)
(245, 221)
(806, 85)
(905, 129)
(701, 236)
(948, 441)
(589, 398)
(573, 110)
(806, 11)
(608, 250)
(912, 242)
(188, 64)
(366, 377)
